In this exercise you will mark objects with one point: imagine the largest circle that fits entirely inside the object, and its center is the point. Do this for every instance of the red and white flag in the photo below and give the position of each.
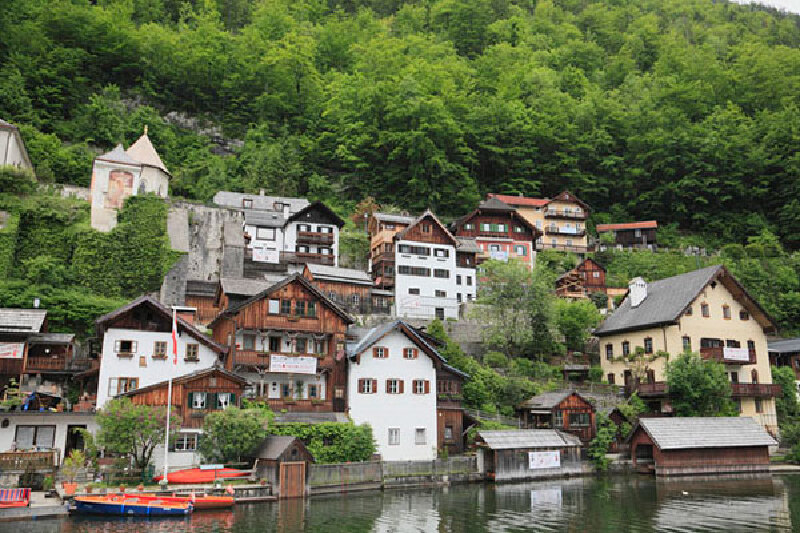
(174, 337)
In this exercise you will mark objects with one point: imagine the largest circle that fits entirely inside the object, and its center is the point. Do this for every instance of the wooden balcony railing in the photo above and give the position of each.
(558, 231)
(59, 363)
(756, 390)
(313, 237)
(564, 247)
(254, 357)
(569, 215)
(21, 461)
(304, 257)
(383, 257)
(718, 354)
(650, 390)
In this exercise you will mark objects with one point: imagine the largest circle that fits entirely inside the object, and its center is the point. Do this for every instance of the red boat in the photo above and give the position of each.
(199, 501)
(14, 498)
(203, 475)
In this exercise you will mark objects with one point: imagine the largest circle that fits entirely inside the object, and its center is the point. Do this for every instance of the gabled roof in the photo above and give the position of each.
(510, 439)
(273, 446)
(142, 150)
(566, 196)
(523, 201)
(317, 206)
(548, 400)
(378, 332)
(186, 378)
(259, 201)
(428, 213)
(118, 155)
(589, 260)
(246, 286)
(784, 346)
(495, 206)
(298, 277)
(681, 433)
(647, 224)
(668, 298)
(15, 131)
(164, 312)
(344, 275)
(22, 320)
(391, 217)
(467, 245)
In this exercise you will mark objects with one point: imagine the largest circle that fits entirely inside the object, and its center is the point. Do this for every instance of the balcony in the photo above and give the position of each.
(493, 234)
(305, 257)
(254, 357)
(561, 231)
(718, 354)
(566, 215)
(756, 390)
(313, 237)
(383, 257)
(656, 389)
(297, 405)
(579, 249)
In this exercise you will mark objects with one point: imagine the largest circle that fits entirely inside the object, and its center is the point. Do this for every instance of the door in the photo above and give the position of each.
(292, 480)
(74, 439)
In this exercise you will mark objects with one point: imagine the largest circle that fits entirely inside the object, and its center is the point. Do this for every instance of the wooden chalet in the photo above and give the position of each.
(702, 445)
(234, 291)
(202, 295)
(563, 410)
(194, 395)
(632, 234)
(583, 280)
(289, 340)
(785, 352)
(382, 228)
(350, 289)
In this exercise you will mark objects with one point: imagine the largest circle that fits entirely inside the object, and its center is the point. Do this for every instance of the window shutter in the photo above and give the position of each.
(374, 351)
(361, 385)
(374, 385)
(116, 346)
(387, 386)
(133, 346)
(416, 353)
(112, 386)
(191, 400)
(427, 387)
(400, 386)
(211, 401)
(233, 400)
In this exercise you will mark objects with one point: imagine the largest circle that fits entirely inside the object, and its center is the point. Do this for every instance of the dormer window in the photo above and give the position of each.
(247, 203)
(426, 228)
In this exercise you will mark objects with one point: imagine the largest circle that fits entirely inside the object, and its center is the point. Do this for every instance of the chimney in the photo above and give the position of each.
(286, 210)
(637, 290)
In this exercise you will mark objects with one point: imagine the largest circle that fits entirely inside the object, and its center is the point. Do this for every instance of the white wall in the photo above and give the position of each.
(155, 180)
(11, 150)
(61, 421)
(406, 411)
(105, 218)
(272, 248)
(113, 366)
(290, 244)
(464, 289)
(424, 305)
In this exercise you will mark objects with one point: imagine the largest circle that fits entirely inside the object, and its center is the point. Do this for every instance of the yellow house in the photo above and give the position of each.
(705, 311)
(562, 219)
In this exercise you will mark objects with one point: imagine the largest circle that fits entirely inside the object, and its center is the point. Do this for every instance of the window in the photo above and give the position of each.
(247, 203)
(249, 341)
(738, 403)
(324, 229)
(469, 280)
(265, 234)
(426, 228)
(380, 352)
(688, 311)
(275, 344)
(751, 346)
(303, 249)
(458, 297)
(286, 390)
(441, 252)
(706, 342)
(726, 312)
(704, 310)
(448, 433)
(300, 308)
(35, 437)
(394, 436)
(413, 290)
(311, 309)
(301, 345)
(325, 251)
(415, 250)
(410, 353)
(192, 352)
(494, 228)
(286, 307)
(759, 406)
(744, 315)
(125, 347)
(611, 378)
(518, 229)
(225, 400)
(494, 247)
(414, 271)
(441, 294)
(637, 233)
(754, 375)
(626, 348)
(420, 437)
(185, 442)
(609, 352)
(520, 250)
(648, 345)
(732, 343)
(160, 350)
(558, 419)
(313, 391)
(198, 400)
(458, 279)
(441, 273)
(304, 227)
(578, 419)
(394, 386)
(120, 385)
(274, 307)
(687, 343)
(367, 386)
(421, 386)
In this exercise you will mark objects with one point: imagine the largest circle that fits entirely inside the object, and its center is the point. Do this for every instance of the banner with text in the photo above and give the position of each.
(540, 460)
(736, 354)
(292, 365)
(11, 350)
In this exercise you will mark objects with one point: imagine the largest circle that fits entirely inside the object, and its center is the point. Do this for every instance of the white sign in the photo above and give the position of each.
(11, 350)
(292, 365)
(541, 460)
(265, 255)
(499, 255)
(736, 354)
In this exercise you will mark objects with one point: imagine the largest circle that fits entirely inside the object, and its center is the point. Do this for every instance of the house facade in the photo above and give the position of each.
(120, 174)
(136, 342)
(561, 219)
(631, 234)
(289, 342)
(382, 228)
(394, 377)
(499, 232)
(194, 396)
(566, 411)
(583, 280)
(351, 289)
(12, 147)
(786, 352)
(706, 311)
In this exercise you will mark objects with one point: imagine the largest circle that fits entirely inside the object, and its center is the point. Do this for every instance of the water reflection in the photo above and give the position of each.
(585, 504)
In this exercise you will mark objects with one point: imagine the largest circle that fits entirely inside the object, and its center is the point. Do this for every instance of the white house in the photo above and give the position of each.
(120, 174)
(137, 348)
(392, 386)
(44, 430)
(425, 270)
(12, 148)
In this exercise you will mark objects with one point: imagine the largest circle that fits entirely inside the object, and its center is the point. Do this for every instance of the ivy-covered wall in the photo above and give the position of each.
(8, 243)
(332, 442)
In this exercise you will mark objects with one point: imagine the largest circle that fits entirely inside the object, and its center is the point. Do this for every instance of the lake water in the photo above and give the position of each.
(614, 504)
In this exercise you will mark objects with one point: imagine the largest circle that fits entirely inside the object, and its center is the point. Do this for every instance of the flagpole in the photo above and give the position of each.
(169, 393)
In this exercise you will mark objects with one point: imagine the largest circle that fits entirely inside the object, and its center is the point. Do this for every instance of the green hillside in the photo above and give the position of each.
(685, 111)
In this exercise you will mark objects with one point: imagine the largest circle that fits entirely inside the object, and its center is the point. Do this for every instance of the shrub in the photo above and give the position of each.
(332, 442)
(496, 360)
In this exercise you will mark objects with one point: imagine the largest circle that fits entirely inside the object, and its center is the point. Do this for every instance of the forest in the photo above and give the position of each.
(685, 111)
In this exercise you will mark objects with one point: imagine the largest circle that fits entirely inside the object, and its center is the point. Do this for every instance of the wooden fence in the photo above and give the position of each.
(21, 461)
(345, 475)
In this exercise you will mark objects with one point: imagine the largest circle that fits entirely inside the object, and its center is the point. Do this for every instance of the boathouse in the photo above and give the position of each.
(283, 462)
(506, 455)
(701, 445)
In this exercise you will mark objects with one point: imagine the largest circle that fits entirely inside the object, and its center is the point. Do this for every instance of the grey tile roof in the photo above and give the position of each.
(546, 400)
(390, 217)
(270, 219)
(467, 244)
(246, 287)
(784, 345)
(666, 300)
(495, 205)
(347, 275)
(51, 338)
(198, 287)
(510, 439)
(705, 432)
(22, 320)
(273, 446)
(264, 203)
(310, 418)
(119, 155)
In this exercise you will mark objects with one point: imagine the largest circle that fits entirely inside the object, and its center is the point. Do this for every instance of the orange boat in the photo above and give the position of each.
(121, 506)
(199, 501)
(203, 475)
